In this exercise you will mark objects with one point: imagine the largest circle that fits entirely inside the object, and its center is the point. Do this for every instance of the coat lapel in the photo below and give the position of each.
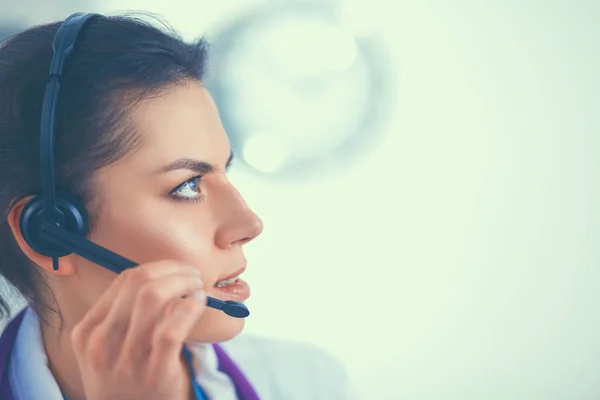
(7, 341)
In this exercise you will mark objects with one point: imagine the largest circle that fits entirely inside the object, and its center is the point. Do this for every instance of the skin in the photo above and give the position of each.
(142, 219)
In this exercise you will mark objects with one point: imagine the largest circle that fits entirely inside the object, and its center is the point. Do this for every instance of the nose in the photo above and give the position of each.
(239, 224)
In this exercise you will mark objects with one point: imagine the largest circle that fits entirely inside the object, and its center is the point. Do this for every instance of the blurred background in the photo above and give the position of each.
(428, 176)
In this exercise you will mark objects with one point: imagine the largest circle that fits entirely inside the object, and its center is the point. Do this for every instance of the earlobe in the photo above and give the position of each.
(14, 221)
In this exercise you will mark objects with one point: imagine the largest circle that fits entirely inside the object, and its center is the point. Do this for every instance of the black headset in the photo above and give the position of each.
(55, 223)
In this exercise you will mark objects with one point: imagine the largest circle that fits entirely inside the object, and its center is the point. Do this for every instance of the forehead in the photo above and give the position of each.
(182, 122)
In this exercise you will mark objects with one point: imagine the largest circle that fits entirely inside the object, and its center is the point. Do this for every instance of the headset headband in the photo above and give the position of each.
(63, 44)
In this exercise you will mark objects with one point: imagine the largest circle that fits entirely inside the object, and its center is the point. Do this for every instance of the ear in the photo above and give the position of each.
(65, 264)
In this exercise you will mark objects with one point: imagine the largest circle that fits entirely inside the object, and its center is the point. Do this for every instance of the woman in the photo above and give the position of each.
(140, 142)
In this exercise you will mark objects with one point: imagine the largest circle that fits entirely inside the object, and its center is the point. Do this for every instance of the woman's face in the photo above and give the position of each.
(153, 206)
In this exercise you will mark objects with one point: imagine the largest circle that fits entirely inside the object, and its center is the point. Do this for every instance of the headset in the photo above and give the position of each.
(55, 223)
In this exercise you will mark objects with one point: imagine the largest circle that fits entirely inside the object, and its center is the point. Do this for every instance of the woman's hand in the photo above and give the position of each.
(129, 344)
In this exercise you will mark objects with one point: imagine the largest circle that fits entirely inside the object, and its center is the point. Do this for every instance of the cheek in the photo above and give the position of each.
(144, 236)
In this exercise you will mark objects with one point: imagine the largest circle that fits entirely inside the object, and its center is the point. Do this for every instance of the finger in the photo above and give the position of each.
(156, 289)
(138, 279)
(173, 330)
(153, 303)
(119, 293)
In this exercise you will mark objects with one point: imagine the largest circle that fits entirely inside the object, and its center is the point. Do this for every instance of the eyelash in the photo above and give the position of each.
(197, 199)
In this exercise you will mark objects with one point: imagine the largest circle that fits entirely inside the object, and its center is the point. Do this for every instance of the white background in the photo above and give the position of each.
(459, 259)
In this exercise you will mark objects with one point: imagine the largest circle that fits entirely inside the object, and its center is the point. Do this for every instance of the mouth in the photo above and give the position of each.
(230, 279)
(231, 287)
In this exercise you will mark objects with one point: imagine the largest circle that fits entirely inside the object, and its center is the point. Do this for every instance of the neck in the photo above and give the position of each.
(65, 368)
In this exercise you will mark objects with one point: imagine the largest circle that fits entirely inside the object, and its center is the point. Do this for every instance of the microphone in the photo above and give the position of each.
(117, 263)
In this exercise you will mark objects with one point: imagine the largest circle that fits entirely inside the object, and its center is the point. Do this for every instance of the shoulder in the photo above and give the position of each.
(289, 369)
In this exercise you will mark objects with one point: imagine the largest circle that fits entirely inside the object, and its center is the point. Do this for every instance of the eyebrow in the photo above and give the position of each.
(201, 167)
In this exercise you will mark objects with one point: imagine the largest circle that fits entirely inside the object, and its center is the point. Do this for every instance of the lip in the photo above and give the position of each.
(233, 275)
(239, 291)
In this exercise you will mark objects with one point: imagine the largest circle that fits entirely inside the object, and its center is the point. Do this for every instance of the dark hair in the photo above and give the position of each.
(117, 61)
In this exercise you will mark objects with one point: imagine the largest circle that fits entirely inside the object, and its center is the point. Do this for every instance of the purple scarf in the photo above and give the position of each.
(243, 388)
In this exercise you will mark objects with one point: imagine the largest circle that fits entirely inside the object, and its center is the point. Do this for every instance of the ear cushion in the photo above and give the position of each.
(75, 221)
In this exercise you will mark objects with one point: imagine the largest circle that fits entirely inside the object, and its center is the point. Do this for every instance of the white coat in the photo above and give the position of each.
(278, 370)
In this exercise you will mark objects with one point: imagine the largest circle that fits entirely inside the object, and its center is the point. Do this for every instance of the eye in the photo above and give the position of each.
(189, 190)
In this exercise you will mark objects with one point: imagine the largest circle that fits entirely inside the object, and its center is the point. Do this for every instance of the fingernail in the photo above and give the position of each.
(199, 296)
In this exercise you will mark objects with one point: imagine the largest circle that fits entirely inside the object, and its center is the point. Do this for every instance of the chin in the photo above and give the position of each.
(215, 326)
